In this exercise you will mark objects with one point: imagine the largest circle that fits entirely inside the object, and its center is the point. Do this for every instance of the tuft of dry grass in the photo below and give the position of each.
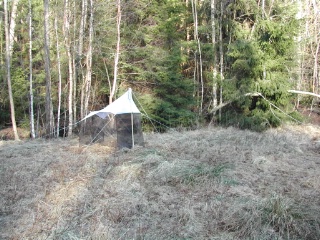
(7, 134)
(212, 183)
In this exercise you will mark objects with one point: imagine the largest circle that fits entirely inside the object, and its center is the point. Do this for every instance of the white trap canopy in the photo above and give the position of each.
(118, 124)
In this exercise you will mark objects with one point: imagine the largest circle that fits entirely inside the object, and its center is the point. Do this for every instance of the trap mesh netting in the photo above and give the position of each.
(98, 130)
(121, 131)
(117, 125)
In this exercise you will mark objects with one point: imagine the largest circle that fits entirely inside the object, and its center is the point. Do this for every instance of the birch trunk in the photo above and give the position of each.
(116, 59)
(195, 71)
(74, 56)
(89, 60)
(9, 35)
(214, 67)
(198, 52)
(66, 32)
(59, 74)
(83, 22)
(32, 130)
(317, 46)
(221, 55)
(48, 105)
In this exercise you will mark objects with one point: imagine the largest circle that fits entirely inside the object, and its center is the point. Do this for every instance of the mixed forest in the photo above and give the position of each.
(189, 62)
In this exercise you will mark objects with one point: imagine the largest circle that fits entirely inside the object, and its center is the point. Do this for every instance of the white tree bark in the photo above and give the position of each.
(9, 25)
(305, 93)
(310, 46)
(32, 130)
(316, 67)
(48, 105)
(59, 74)
(74, 56)
(83, 22)
(89, 60)
(198, 52)
(221, 55)
(214, 67)
(117, 54)
(66, 32)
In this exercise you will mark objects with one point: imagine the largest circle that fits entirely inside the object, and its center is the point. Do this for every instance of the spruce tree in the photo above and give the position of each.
(260, 58)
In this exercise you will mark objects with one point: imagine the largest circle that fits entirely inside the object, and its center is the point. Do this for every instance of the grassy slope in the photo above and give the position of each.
(206, 184)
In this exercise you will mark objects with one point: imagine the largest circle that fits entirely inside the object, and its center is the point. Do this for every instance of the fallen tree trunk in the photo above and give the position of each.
(259, 94)
(219, 106)
(303, 92)
(228, 102)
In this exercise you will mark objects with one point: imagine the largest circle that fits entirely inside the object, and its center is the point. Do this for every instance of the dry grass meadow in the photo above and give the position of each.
(211, 183)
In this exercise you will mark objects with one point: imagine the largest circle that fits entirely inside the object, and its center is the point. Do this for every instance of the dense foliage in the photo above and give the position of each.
(183, 59)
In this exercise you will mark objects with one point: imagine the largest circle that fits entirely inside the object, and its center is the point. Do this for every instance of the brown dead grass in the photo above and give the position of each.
(7, 134)
(212, 183)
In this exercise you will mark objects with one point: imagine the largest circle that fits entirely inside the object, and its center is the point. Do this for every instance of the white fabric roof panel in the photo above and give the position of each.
(123, 104)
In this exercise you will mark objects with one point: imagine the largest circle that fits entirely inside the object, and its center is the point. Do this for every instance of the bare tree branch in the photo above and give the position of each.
(303, 92)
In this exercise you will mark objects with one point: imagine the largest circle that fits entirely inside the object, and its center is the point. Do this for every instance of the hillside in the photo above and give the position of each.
(211, 183)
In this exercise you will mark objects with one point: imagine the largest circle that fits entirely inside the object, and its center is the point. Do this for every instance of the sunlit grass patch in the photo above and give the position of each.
(274, 217)
(203, 171)
(186, 172)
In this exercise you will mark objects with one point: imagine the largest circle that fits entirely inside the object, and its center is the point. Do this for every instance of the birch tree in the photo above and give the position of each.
(9, 25)
(198, 54)
(89, 59)
(48, 105)
(83, 22)
(32, 130)
(67, 43)
(59, 73)
(221, 53)
(309, 47)
(74, 56)
(214, 67)
(316, 50)
(117, 54)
